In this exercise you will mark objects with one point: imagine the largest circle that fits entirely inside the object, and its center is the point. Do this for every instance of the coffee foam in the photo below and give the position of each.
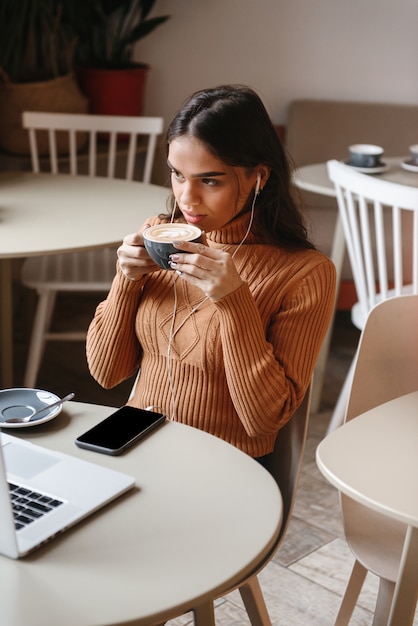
(366, 148)
(167, 233)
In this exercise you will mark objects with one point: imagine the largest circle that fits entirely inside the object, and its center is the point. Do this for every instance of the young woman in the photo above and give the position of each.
(227, 340)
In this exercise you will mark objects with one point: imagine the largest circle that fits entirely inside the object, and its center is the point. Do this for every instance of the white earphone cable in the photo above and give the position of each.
(173, 332)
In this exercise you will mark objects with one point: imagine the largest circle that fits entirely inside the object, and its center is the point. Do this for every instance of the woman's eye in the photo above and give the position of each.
(176, 175)
(211, 182)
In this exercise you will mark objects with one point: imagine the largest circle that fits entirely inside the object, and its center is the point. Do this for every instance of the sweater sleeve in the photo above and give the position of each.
(269, 369)
(112, 348)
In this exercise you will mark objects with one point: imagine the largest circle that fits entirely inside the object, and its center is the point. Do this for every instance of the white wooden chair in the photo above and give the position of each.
(380, 223)
(85, 271)
(385, 368)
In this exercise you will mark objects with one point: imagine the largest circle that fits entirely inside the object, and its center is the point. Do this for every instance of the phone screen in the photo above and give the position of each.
(120, 430)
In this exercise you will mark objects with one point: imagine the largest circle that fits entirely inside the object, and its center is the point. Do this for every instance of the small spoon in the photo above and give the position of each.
(24, 420)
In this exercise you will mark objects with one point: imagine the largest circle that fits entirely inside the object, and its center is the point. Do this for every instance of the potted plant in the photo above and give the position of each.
(37, 39)
(112, 81)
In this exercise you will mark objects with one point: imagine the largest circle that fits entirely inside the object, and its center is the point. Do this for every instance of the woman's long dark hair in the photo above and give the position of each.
(232, 122)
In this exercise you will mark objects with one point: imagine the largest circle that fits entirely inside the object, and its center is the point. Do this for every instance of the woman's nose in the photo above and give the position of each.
(189, 193)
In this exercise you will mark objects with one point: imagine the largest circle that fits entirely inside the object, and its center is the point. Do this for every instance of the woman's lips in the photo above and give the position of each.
(193, 219)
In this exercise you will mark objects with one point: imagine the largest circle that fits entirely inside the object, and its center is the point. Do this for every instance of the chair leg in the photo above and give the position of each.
(355, 583)
(253, 599)
(52, 297)
(337, 256)
(204, 614)
(384, 602)
(338, 415)
(319, 373)
(41, 323)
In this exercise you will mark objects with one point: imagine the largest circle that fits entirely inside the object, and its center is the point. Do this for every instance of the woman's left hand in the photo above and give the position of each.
(213, 271)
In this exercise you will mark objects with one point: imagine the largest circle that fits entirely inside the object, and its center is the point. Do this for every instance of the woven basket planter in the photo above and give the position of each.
(60, 95)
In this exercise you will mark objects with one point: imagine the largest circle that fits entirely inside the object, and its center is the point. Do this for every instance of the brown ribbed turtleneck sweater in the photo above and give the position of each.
(238, 367)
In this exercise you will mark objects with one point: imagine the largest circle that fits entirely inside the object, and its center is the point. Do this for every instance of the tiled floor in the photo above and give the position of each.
(304, 582)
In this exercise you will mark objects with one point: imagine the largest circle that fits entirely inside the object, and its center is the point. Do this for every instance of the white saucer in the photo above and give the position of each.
(369, 170)
(21, 402)
(409, 165)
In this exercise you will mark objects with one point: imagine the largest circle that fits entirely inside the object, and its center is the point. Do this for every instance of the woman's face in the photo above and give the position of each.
(208, 192)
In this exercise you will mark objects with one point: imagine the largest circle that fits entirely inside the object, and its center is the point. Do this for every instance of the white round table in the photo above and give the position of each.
(46, 214)
(201, 519)
(373, 459)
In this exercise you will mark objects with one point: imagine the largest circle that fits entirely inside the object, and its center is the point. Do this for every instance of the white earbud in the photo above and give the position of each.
(257, 186)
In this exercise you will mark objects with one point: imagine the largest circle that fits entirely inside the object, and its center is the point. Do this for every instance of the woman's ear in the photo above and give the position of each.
(263, 174)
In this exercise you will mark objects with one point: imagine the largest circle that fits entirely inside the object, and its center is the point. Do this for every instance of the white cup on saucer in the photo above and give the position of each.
(414, 154)
(365, 155)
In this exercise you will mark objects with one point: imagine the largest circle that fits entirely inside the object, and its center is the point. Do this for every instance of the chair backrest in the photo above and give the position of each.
(94, 127)
(386, 365)
(287, 457)
(380, 222)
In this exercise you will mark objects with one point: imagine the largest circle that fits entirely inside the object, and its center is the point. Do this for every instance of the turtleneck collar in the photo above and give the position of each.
(233, 232)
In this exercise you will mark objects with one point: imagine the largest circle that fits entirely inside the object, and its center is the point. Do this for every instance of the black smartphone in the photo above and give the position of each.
(120, 430)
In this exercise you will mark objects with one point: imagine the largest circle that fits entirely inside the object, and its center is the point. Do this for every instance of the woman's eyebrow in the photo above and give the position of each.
(208, 174)
(201, 174)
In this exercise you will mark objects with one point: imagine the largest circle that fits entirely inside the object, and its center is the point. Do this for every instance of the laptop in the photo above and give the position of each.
(43, 492)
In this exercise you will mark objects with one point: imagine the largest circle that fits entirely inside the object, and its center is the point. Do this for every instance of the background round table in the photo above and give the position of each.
(48, 214)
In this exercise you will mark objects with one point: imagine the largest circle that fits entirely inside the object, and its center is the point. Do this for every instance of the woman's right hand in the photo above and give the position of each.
(134, 260)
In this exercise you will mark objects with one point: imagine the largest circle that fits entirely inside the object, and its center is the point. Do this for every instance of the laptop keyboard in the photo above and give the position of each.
(29, 505)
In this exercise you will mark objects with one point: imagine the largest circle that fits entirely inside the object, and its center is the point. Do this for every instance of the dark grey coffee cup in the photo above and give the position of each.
(158, 240)
(365, 155)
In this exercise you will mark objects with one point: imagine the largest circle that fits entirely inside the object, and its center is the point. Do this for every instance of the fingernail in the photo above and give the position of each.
(174, 257)
(172, 263)
(177, 244)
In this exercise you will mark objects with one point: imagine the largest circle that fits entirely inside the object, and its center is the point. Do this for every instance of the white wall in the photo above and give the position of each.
(364, 50)
(285, 49)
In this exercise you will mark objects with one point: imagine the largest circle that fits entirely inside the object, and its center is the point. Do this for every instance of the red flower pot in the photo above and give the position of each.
(114, 92)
